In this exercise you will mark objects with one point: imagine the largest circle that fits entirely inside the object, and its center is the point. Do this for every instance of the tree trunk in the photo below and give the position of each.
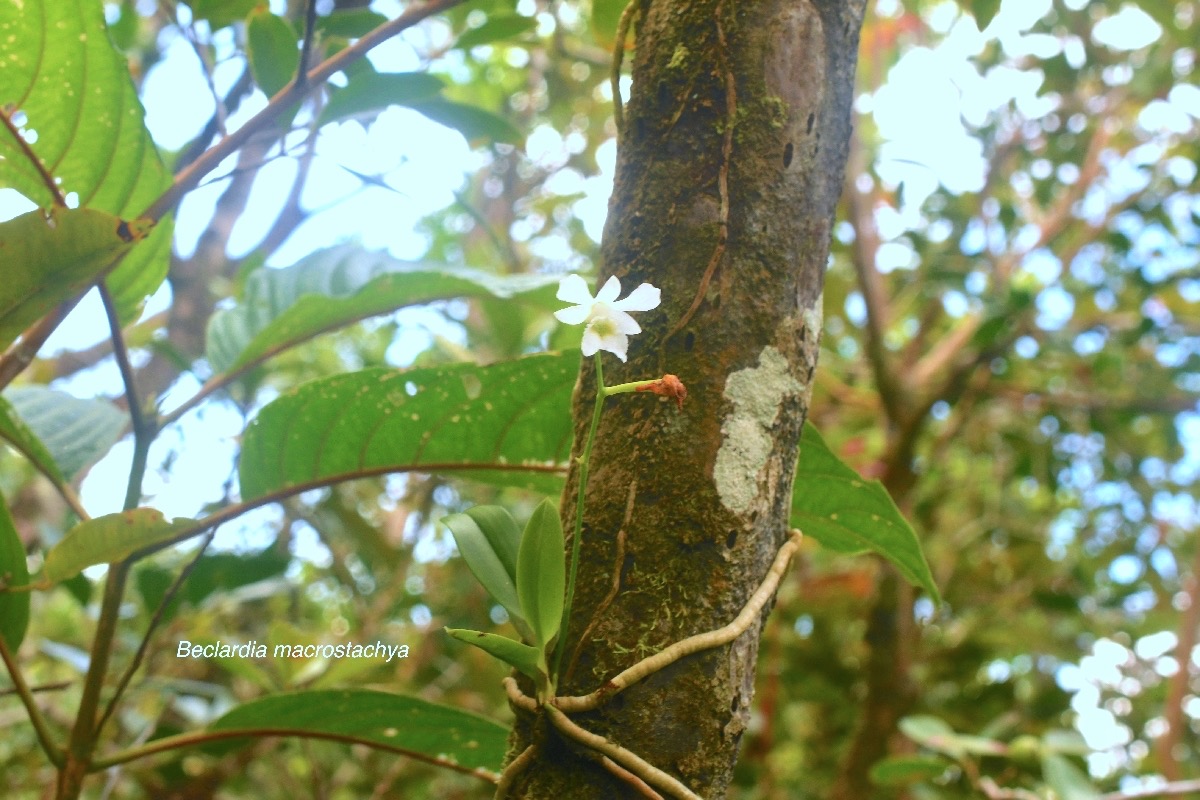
(730, 165)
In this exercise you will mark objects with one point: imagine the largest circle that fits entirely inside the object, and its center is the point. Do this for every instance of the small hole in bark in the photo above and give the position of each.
(811, 117)
(737, 702)
(639, 128)
(731, 540)
(787, 155)
(689, 341)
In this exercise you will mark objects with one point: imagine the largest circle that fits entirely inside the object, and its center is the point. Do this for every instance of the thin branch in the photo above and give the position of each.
(21, 354)
(168, 743)
(57, 686)
(1179, 684)
(306, 45)
(285, 98)
(189, 33)
(155, 619)
(22, 690)
(82, 742)
(143, 426)
(692, 644)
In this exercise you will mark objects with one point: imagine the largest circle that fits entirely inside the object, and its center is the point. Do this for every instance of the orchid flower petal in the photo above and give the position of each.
(643, 298)
(574, 289)
(609, 291)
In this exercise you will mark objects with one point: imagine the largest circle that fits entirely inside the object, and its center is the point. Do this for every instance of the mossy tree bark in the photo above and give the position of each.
(730, 165)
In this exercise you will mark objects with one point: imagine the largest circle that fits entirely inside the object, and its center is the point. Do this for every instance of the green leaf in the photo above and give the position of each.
(520, 656)
(106, 539)
(221, 13)
(834, 505)
(606, 14)
(349, 23)
(393, 722)
(332, 288)
(505, 422)
(372, 92)
(497, 27)
(218, 572)
(903, 770)
(94, 143)
(75, 432)
(14, 606)
(53, 255)
(984, 11)
(271, 47)
(1066, 779)
(474, 123)
(502, 533)
(541, 573)
(936, 734)
(480, 552)
(14, 430)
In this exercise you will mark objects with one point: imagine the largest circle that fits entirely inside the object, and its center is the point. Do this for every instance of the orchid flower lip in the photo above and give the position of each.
(609, 324)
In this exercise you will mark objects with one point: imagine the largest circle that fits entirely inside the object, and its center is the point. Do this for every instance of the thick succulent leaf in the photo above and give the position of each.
(505, 422)
(49, 256)
(903, 770)
(333, 288)
(78, 114)
(834, 505)
(14, 606)
(14, 431)
(401, 724)
(502, 533)
(75, 432)
(541, 573)
(516, 654)
(485, 563)
(106, 539)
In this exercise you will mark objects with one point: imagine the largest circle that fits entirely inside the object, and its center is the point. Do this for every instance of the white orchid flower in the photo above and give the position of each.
(609, 325)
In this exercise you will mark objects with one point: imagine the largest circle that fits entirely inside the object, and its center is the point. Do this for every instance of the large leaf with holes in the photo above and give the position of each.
(49, 256)
(507, 422)
(439, 734)
(14, 606)
(332, 288)
(71, 112)
(74, 432)
(834, 505)
(113, 537)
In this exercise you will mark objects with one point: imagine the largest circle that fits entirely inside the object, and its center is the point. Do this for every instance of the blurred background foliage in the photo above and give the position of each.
(1012, 344)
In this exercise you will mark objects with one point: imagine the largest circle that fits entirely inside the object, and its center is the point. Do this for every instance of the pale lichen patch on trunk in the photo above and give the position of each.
(756, 394)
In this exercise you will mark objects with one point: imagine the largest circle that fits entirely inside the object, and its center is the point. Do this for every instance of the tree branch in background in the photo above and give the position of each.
(1179, 684)
(284, 99)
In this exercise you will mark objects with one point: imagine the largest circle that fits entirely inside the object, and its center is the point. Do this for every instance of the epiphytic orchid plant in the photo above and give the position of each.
(525, 572)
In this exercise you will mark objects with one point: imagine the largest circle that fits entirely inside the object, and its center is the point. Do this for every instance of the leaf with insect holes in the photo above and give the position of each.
(113, 537)
(439, 734)
(72, 115)
(541, 573)
(50, 256)
(504, 423)
(521, 656)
